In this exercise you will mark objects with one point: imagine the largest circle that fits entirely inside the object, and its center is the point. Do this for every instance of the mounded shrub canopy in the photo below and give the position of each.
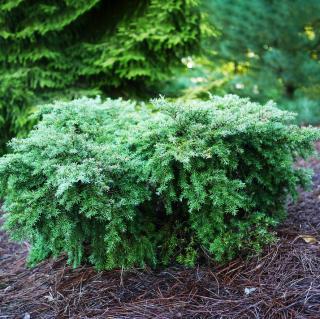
(129, 185)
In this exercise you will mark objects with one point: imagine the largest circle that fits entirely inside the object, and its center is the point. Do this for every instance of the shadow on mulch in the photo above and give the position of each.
(283, 282)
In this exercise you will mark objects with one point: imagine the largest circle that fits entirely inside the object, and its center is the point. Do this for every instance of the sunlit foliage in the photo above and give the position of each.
(69, 48)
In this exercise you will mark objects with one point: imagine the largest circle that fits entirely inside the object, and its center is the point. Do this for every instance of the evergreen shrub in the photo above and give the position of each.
(125, 185)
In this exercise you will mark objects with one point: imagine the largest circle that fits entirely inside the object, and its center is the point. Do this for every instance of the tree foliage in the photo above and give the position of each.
(263, 49)
(67, 48)
(277, 42)
(127, 185)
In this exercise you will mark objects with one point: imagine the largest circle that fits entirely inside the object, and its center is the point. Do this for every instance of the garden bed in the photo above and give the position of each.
(283, 282)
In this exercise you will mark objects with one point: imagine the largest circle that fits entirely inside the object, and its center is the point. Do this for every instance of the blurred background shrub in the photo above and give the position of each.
(262, 49)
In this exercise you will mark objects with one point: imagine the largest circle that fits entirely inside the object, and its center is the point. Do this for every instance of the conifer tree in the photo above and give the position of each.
(68, 48)
(274, 46)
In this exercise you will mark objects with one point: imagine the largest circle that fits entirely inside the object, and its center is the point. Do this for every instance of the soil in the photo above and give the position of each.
(283, 282)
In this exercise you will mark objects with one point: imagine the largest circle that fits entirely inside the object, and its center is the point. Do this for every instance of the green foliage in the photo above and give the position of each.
(278, 43)
(308, 110)
(262, 49)
(125, 185)
(70, 48)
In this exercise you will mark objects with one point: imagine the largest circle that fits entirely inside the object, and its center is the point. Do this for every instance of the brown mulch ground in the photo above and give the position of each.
(284, 282)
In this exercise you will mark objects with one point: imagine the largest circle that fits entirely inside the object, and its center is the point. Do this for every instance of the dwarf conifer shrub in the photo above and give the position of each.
(123, 185)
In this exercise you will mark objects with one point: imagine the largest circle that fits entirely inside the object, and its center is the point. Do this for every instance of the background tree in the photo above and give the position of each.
(68, 48)
(273, 43)
(264, 49)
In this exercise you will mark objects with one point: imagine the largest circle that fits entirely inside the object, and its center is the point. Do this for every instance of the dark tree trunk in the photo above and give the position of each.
(289, 91)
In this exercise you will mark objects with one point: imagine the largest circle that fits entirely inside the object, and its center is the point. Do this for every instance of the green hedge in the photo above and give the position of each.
(124, 185)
